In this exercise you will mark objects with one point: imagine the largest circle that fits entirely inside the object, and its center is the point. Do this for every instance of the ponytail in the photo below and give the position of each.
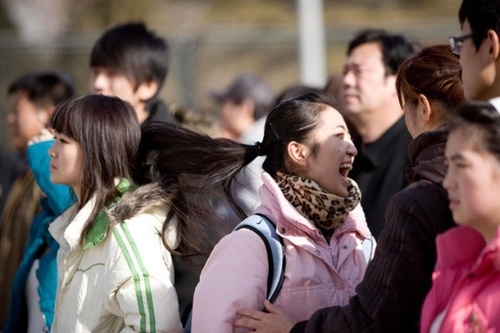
(188, 165)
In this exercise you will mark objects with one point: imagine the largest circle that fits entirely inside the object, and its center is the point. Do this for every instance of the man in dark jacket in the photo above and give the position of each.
(369, 101)
(398, 278)
(131, 62)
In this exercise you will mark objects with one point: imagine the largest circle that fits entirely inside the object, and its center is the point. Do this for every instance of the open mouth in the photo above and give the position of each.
(345, 168)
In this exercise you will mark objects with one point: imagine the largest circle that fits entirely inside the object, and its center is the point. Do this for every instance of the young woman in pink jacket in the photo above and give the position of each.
(306, 193)
(465, 296)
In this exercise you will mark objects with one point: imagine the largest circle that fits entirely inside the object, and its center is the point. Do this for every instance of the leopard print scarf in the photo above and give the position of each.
(327, 211)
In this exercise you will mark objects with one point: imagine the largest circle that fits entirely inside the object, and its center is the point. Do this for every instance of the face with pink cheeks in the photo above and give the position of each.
(333, 154)
(472, 182)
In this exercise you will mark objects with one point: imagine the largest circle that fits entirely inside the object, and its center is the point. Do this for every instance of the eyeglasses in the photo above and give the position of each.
(456, 43)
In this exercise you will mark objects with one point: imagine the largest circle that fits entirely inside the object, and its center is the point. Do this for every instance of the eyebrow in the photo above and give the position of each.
(352, 65)
(457, 156)
(358, 64)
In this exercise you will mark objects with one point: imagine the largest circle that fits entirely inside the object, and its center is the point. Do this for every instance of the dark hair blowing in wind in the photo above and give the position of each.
(171, 154)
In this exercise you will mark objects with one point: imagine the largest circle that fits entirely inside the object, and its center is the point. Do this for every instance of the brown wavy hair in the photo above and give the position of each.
(434, 72)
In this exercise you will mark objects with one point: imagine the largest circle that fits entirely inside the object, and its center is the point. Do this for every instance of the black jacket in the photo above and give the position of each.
(379, 170)
(158, 111)
(397, 280)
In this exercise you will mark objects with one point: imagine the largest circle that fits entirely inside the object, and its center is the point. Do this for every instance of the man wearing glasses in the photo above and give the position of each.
(479, 49)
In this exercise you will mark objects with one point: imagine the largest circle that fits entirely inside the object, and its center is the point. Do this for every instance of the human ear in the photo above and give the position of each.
(494, 51)
(44, 113)
(147, 90)
(298, 154)
(391, 82)
(426, 107)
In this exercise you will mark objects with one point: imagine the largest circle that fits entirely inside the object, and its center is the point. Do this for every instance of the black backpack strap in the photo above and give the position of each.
(275, 249)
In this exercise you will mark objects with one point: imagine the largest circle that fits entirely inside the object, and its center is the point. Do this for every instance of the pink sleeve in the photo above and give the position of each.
(234, 277)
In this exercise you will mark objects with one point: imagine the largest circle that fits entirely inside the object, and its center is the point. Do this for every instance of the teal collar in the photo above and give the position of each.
(99, 228)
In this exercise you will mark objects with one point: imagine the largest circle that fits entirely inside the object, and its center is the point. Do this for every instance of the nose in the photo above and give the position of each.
(51, 151)
(97, 82)
(447, 181)
(351, 149)
(348, 78)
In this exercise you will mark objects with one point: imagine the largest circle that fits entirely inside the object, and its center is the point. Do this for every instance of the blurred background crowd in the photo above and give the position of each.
(211, 40)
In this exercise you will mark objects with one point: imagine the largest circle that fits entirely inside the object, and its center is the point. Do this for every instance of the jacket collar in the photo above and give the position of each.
(426, 153)
(489, 257)
(158, 112)
(99, 228)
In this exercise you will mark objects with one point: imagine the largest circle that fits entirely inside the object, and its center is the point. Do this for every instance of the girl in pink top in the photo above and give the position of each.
(465, 296)
(306, 193)
(315, 207)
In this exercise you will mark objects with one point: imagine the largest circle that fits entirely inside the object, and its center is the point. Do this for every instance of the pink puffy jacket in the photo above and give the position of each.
(465, 295)
(317, 274)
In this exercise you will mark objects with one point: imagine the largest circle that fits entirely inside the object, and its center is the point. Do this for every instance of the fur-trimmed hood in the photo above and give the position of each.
(132, 202)
(137, 200)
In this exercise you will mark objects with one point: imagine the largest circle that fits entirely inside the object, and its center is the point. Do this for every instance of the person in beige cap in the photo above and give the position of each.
(247, 99)
(244, 106)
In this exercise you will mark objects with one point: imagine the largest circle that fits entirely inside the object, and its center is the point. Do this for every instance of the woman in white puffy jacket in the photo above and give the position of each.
(115, 271)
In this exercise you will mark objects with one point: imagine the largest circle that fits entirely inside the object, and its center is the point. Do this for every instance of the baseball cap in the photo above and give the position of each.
(247, 86)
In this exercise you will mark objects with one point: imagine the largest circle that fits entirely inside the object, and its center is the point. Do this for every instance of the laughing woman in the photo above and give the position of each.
(390, 297)
(307, 195)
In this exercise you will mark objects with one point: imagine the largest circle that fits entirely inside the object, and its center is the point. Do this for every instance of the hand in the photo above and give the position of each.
(273, 322)
(44, 135)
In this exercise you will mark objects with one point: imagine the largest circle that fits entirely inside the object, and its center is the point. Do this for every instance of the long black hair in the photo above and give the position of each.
(108, 132)
(188, 163)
